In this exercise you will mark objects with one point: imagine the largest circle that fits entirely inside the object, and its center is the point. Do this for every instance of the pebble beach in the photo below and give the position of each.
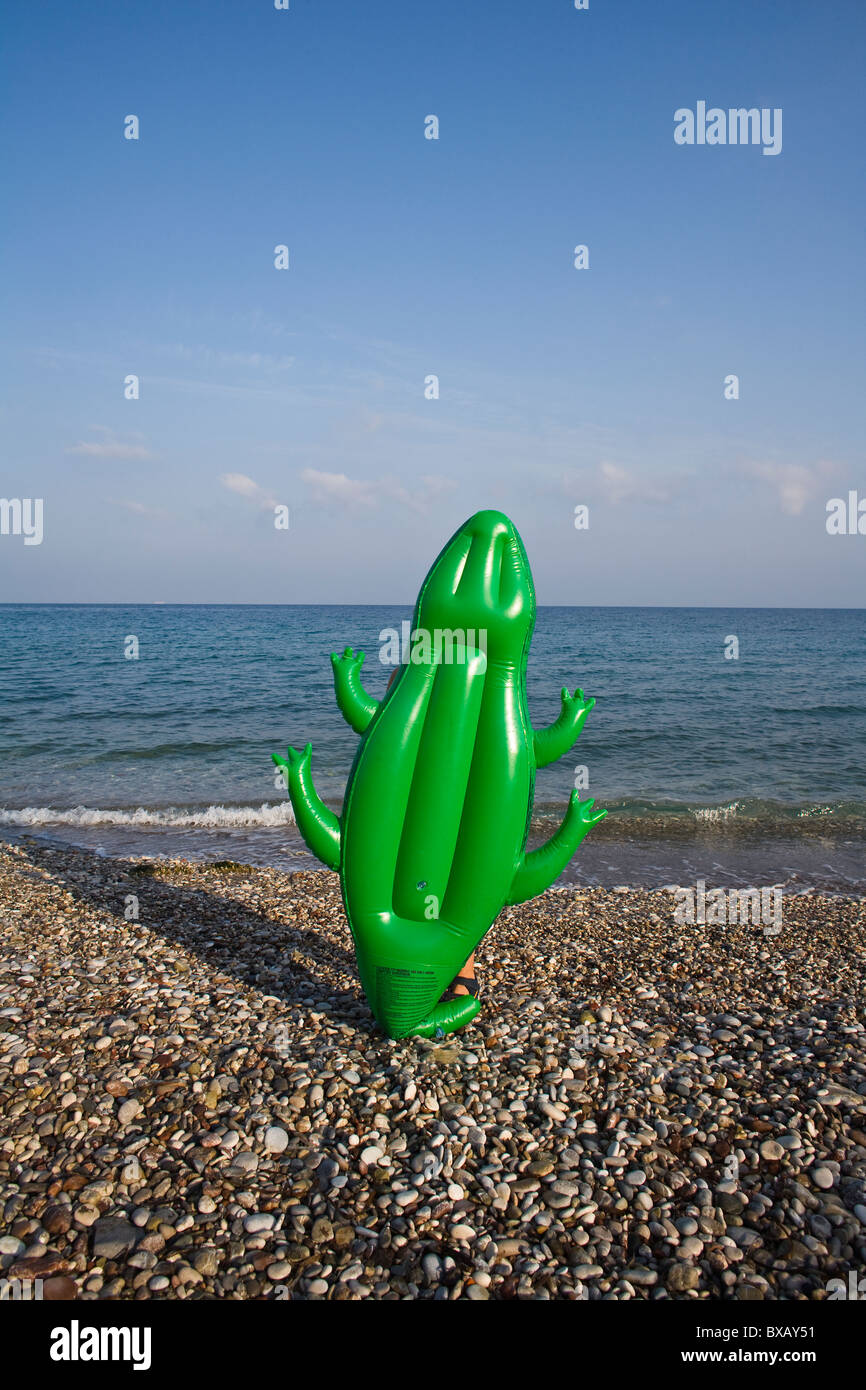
(195, 1101)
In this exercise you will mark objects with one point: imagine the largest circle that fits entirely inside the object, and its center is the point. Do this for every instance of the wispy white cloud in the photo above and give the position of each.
(219, 357)
(341, 490)
(795, 483)
(110, 447)
(338, 488)
(624, 485)
(247, 487)
(432, 485)
(616, 483)
(138, 508)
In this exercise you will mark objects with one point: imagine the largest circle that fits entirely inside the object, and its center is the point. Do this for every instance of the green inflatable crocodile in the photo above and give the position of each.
(430, 844)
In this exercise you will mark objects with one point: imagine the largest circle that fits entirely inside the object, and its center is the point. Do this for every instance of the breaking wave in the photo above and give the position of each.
(170, 817)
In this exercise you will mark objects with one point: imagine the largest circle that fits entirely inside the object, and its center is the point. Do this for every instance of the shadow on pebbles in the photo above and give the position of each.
(195, 1101)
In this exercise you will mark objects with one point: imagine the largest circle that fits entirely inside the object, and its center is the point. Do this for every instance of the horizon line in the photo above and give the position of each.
(396, 603)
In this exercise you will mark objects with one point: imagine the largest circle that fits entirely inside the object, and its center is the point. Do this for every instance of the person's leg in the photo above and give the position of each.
(468, 972)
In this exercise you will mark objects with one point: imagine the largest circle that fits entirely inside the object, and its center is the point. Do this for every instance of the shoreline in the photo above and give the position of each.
(803, 857)
(198, 1104)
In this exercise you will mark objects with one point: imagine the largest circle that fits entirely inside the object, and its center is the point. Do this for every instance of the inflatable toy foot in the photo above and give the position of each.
(447, 1017)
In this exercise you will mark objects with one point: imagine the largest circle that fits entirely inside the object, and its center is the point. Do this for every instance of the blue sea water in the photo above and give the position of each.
(170, 752)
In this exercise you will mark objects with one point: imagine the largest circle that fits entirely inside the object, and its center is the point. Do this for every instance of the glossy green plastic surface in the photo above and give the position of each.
(431, 842)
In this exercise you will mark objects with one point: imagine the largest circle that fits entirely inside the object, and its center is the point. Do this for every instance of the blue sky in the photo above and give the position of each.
(411, 257)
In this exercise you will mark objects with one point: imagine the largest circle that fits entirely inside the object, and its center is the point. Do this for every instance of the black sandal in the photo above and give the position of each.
(469, 983)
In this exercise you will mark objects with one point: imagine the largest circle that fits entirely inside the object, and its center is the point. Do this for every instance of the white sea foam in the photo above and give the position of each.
(213, 817)
(716, 813)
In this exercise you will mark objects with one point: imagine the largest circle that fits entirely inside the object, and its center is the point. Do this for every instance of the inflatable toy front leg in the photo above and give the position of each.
(542, 867)
(356, 706)
(552, 742)
(316, 822)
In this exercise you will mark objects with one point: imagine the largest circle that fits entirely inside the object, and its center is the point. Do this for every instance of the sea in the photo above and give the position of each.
(727, 744)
